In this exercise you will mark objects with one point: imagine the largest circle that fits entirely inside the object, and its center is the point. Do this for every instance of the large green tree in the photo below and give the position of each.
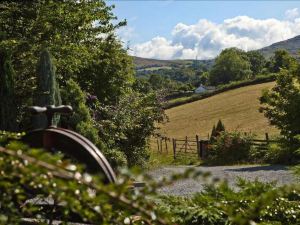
(282, 60)
(281, 105)
(232, 64)
(79, 34)
(257, 61)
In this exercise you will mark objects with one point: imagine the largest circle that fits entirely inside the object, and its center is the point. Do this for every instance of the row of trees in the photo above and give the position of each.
(93, 73)
(234, 65)
(231, 65)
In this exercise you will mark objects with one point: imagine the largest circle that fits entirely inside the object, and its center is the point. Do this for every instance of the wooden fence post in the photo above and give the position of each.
(198, 149)
(186, 143)
(201, 149)
(174, 147)
(267, 138)
(166, 144)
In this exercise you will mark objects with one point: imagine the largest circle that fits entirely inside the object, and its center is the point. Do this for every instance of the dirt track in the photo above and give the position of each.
(277, 173)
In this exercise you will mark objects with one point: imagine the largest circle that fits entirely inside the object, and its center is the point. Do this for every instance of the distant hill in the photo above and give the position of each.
(142, 63)
(292, 45)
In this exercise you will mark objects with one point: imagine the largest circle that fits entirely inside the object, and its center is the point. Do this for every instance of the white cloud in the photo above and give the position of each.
(206, 39)
(158, 47)
(292, 13)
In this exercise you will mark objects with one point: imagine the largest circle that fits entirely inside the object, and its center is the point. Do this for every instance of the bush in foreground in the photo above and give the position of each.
(31, 173)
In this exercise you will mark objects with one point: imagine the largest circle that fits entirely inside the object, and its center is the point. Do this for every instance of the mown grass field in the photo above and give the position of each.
(238, 109)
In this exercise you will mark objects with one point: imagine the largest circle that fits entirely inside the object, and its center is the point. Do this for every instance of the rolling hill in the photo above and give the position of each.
(238, 109)
(291, 45)
(141, 63)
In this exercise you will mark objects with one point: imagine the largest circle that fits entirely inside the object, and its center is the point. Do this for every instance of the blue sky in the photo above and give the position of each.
(164, 25)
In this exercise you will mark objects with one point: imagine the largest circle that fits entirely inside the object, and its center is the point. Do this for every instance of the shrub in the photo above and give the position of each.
(279, 152)
(82, 122)
(255, 203)
(28, 173)
(229, 148)
(127, 125)
(77, 197)
(282, 152)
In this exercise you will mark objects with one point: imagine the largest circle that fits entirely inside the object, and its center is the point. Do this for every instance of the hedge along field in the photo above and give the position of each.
(238, 110)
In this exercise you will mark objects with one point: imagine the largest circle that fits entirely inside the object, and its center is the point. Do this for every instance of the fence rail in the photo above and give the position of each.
(197, 146)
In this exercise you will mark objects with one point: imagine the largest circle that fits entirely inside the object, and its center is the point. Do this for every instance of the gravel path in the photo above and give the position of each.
(277, 173)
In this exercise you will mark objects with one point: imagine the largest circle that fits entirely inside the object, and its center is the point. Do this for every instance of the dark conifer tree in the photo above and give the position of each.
(220, 127)
(7, 105)
(47, 92)
(213, 133)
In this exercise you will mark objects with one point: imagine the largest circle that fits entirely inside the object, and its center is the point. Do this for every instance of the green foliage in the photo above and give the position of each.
(213, 133)
(73, 95)
(229, 148)
(77, 196)
(282, 153)
(81, 37)
(47, 92)
(281, 105)
(232, 64)
(279, 151)
(127, 125)
(82, 122)
(282, 60)
(38, 175)
(254, 203)
(8, 108)
(257, 62)
(220, 127)
(110, 75)
(216, 130)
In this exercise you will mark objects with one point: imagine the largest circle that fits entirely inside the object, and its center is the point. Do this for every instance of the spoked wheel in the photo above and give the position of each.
(73, 145)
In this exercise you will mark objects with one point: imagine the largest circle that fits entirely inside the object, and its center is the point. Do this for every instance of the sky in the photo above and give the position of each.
(201, 29)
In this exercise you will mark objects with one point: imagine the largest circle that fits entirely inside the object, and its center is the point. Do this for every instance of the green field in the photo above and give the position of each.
(238, 109)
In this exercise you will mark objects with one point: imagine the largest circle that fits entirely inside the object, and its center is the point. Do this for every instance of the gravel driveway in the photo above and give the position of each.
(277, 173)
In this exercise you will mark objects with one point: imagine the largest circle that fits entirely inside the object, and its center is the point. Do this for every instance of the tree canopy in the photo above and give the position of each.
(81, 37)
(232, 64)
(281, 105)
(79, 34)
(257, 61)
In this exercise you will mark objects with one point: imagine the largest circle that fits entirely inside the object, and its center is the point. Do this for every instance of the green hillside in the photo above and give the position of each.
(237, 108)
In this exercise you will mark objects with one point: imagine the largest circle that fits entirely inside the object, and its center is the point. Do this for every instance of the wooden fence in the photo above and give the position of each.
(180, 147)
(197, 147)
(262, 143)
